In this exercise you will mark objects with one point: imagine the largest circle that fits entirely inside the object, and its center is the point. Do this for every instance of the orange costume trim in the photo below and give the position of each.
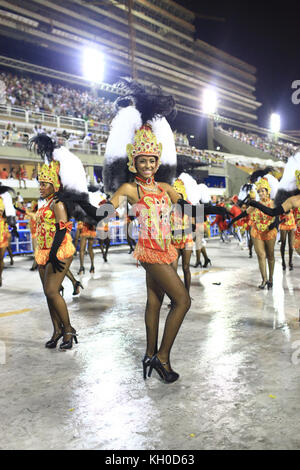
(86, 230)
(154, 244)
(288, 221)
(4, 233)
(32, 226)
(260, 224)
(45, 220)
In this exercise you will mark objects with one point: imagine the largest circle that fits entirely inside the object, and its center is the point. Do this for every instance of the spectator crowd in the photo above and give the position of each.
(279, 149)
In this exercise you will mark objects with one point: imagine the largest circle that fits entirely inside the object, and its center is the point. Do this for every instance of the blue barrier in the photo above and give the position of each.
(117, 235)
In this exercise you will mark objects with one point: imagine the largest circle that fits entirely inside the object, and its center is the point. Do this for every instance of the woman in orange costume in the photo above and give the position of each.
(287, 230)
(87, 236)
(4, 236)
(54, 254)
(263, 232)
(140, 140)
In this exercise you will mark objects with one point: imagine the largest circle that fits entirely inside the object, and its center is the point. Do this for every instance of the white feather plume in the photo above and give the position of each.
(122, 131)
(71, 170)
(191, 187)
(10, 211)
(288, 180)
(164, 134)
(203, 191)
(96, 197)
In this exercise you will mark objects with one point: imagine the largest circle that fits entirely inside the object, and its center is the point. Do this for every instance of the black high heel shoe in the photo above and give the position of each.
(291, 267)
(166, 376)
(81, 270)
(283, 266)
(76, 288)
(269, 285)
(207, 262)
(92, 270)
(198, 264)
(68, 344)
(146, 363)
(51, 344)
(263, 285)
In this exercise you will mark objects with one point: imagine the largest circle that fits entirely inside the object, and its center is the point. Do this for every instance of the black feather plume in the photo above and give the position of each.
(260, 173)
(43, 145)
(4, 189)
(151, 102)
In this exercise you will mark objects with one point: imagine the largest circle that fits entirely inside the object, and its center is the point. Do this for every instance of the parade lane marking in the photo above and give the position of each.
(14, 312)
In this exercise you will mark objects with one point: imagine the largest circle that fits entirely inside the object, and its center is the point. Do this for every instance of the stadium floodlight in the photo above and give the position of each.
(209, 101)
(93, 65)
(275, 123)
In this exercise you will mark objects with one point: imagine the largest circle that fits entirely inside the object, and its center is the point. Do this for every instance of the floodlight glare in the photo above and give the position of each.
(275, 123)
(93, 65)
(209, 101)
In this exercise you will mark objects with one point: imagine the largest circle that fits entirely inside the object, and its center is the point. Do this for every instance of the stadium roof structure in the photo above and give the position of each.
(155, 40)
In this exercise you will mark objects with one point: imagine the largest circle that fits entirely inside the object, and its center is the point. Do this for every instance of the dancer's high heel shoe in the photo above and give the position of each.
(81, 270)
(146, 363)
(198, 264)
(166, 376)
(207, 262)
(51, 344)
(76, 288)
(68, 344)
(291, 267)
(92, 270)
(283, 266)
(263, 285)
(269, 285)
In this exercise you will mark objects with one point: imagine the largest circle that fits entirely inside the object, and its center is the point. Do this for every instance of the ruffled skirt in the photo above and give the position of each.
(265, 236)
(66, 250)
(150, 256)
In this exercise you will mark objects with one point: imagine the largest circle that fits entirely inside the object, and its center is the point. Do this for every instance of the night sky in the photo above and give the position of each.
(263, 35)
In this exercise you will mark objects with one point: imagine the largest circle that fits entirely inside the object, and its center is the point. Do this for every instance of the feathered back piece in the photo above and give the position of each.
(191, 187)
(10, 211)
(289, 184)
(272, 181)
(70, 171)
(138, 107)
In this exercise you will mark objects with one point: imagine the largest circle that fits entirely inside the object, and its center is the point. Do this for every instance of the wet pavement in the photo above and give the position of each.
(237, 353)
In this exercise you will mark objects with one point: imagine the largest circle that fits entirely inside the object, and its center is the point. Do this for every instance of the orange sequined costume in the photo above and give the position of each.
(86, 230)
(297, 232)
(46, 229)
(32, 226)
(260, 224)
(179, 224)
(287, 221)
(154, 244)
(4, 233)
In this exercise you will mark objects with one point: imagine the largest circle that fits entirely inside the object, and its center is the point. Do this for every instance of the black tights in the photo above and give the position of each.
(162, 279)
(284, 234)
(186, 257)
(57, 306)
(264, 249)
(83, 241)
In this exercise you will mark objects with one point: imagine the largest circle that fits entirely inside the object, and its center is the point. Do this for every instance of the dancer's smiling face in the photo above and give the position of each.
(146, 166)
(263, 194)
(46, 189)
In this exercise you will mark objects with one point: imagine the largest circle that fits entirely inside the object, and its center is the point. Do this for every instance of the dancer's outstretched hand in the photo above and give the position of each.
(57, 265)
